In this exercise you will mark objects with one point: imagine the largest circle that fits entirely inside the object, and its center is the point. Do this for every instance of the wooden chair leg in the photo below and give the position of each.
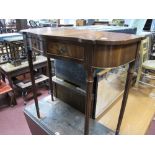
(10, 99)
(138, 76)
(13, 99)
(24, 76)
(24, 93)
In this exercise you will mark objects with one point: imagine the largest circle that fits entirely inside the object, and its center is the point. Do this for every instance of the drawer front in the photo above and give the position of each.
(65, 50)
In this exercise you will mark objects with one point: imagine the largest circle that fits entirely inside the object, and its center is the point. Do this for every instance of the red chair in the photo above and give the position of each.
(5, 89)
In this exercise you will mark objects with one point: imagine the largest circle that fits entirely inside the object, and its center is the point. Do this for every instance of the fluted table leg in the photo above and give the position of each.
(88, 99)
(125, 96)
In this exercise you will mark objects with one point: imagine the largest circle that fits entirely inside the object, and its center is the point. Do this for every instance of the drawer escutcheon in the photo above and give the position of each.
(62, 50)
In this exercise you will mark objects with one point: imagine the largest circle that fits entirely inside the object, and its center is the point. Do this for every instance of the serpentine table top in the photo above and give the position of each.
(94, 49)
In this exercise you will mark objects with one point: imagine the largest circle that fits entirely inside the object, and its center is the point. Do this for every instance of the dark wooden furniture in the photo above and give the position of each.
(2, 28)
(6, 89)
(4, 48)
(7, 28)
(8, 70)
(24, 86)
(65, 25)
(33, 24)
(101, 23)
(80, 22)
(15, 49)
(92, 49)
(21, 24)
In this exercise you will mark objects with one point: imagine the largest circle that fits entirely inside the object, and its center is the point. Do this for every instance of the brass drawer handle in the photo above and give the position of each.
(62, 50)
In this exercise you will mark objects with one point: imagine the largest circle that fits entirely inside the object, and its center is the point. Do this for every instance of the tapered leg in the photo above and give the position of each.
(50, 77)
(33, 81)
(139, 73)
(88, 99)
(125, 96)
(10, 81)
(14, 98)
(3, 77)
(7, 51)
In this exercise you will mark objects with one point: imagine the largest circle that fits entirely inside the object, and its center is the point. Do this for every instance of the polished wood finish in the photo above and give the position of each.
(126, 91)
(65, 50)
(121, 54)
(82, 36)
(69, 43)
(89, 89)
(125, 96)
(120, 48)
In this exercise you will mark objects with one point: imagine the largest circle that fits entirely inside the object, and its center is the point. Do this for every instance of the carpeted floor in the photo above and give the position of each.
(12, 120)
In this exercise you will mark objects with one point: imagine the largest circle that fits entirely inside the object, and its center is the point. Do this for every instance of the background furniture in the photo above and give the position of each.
(8, 70)
(80, 22)
(7, 28)
(145, 65)
(101, 23)
(6, 89)
(65, 25)
(4, 47)
(25, 85)
(15, 49)
(21, 24)
(2, 28)
(33, 24)
(118, 22)
(152, 55)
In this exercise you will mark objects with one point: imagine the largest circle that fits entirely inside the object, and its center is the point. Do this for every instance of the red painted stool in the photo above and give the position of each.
(5, 89)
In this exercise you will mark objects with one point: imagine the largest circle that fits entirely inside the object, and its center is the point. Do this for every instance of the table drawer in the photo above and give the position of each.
(65, 50)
